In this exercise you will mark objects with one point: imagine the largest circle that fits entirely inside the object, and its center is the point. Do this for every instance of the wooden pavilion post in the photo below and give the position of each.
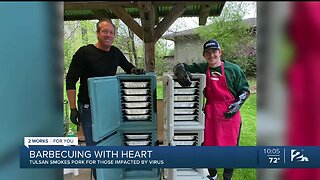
(148, 32)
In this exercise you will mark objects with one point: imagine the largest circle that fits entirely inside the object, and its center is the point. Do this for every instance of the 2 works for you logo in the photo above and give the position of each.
(47, 141)
(298, 156)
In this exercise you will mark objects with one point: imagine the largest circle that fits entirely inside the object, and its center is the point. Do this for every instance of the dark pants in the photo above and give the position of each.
(227, 172)
(86, 123)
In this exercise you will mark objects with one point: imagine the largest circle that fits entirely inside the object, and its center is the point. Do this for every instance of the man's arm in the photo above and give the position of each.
(74, 115)
(242, 87)
(71, 94)
(127, 66)
(76, 68)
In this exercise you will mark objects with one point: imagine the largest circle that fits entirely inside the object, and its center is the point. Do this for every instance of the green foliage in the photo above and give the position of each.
(89, 35)
(80, 33)
(286, 52)
(159, 89)
(140, 54)
(67, 55)
(77, 34)
(247, 137)
(122, 36)
(237, 42)
(161, 51)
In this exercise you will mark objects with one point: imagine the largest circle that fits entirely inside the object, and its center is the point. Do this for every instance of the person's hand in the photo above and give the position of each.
(183, 76)
(138, 71)
(235, 106)
(233, 109)
(74, 117)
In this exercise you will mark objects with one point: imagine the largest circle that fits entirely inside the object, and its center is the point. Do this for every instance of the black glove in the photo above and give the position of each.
(138, 71)
(235, 107)
(74, 116)
(183, 76)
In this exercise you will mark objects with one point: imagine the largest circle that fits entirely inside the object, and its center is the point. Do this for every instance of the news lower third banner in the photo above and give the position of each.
(169, 157)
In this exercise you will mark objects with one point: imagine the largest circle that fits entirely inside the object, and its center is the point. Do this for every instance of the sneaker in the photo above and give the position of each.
(212, 178)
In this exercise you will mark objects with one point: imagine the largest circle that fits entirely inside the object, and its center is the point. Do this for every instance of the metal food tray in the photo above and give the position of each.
(137, 117)
(185, 98)
(184, 111)
(183, 137)
(136, 98)
(137, 136)
(185, 91)
(136, 91)
(137, 105)
(184, 118)
(184, 143)
(135, 84)
(193, 84)
(184, 104)
(136, 111)
(138, 143)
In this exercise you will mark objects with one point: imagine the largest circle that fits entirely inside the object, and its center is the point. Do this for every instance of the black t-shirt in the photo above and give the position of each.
(90, 61)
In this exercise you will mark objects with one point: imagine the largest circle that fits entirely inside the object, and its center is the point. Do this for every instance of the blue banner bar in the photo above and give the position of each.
(170, 157)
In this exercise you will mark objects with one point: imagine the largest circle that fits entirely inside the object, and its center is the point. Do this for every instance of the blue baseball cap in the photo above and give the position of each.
(211, 44)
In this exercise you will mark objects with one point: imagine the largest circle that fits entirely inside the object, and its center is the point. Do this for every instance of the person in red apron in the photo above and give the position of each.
(226, 90)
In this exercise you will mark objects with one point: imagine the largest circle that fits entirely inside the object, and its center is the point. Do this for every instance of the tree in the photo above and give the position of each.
(70, 30)
(132, 50)
(79, 33)
(236, 40)
(161, 51)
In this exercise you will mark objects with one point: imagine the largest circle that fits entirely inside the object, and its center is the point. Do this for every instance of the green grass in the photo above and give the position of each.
(71, 125)
(247, 136)
(248, 133)
(248, 129)
(159, 90)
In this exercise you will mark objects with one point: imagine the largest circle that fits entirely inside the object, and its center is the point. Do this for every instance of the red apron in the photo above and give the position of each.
(218, 130)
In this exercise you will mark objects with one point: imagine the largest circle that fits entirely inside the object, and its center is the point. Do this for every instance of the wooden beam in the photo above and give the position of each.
(82, 7)
(156, 15)
(168, 3)
(101, 14)
(97, 5)
(174, 13)
(147, 15)
(204, 14)
(75, 5)
(128, 20)
(141, 12)
(146, 12)
(150, 56)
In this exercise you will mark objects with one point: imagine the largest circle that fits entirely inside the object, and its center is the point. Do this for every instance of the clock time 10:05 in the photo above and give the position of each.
(273, 154)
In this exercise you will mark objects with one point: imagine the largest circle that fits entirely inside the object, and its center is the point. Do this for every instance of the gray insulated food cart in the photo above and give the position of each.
(124, 113)
(183, 121)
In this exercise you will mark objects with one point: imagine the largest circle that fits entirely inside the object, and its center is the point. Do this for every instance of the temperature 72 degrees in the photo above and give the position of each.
(274, 160)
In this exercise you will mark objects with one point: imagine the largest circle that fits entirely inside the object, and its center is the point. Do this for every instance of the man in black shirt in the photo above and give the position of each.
(100, 59)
